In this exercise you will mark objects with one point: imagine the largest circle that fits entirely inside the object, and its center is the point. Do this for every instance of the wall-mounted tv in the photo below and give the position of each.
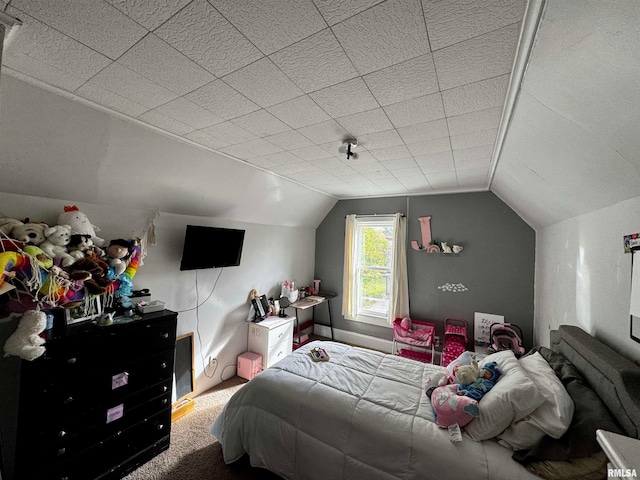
(211, 247)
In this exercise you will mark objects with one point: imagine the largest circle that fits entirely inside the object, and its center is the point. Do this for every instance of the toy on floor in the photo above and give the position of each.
(26, 342)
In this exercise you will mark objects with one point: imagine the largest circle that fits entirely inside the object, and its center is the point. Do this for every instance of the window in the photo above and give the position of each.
(375, 280)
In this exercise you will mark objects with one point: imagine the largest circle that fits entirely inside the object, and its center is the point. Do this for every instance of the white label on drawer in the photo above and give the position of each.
(115, 413)
(119, 380)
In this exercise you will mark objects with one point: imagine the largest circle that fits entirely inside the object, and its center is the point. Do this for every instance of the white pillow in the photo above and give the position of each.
(512, 398)
(553, 417)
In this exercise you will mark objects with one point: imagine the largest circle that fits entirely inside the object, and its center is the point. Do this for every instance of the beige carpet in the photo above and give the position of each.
(194, 454)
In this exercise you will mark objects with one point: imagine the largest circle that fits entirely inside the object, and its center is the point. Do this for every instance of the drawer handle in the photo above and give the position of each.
(280, 352)
(165, 388)
(61, 451)
(280, 336)
(71, 361)
(62, 434)
(165, 335)
(164, 401)
(68, 400)
(160, 427)
(163, 365)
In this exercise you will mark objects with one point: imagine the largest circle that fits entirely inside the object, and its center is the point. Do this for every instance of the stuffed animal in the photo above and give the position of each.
(26, 342)
(93, 272)
(79, 245)
(451, 408)
(8, 224)
(79, 224)
(467, 374)
(488, 376)
(31, 233)
(118, 252)
(44, 260)
(55, 245)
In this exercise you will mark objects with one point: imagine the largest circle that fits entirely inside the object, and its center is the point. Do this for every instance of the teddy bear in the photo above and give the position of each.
(467, 374)
(488, 375)
(93, 272)
(55, 245)
(26, 342)
(31, 233)
(79, 224)
(7, 225)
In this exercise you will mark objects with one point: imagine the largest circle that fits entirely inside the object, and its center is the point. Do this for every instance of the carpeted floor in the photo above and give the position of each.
(194, 454)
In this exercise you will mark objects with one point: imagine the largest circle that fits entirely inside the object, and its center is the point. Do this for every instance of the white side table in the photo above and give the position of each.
(623, 452)
(272, 338)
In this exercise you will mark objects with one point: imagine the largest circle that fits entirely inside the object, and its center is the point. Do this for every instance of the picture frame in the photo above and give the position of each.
(87, 310)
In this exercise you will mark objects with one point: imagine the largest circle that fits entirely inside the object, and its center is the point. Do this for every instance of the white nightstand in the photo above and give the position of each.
(272, 338)
(623, 452)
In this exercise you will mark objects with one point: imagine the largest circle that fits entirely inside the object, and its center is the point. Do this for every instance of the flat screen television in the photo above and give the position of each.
(211, 247)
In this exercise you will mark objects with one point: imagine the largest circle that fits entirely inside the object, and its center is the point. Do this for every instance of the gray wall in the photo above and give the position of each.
(497, 264)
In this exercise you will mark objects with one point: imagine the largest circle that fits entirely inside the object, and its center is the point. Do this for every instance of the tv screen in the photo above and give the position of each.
(211, 247)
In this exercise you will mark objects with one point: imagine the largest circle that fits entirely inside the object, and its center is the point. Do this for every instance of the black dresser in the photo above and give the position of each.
(97, 404)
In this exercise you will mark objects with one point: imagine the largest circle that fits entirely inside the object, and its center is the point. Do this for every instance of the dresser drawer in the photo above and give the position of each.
(279, 334)
(59, 429)
(279, 351)
(67, 391)
(101, 458)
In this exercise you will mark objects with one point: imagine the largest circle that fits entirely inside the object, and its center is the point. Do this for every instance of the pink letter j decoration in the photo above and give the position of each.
(425, 229)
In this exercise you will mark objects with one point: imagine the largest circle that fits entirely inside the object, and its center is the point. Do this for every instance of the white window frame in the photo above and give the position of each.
(368, 316)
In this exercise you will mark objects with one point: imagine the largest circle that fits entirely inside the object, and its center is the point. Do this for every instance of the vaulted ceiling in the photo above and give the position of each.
(280, 84)
(534, 100)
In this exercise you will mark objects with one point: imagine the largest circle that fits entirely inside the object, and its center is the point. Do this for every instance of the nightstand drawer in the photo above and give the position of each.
(280, 334)
(279, 351)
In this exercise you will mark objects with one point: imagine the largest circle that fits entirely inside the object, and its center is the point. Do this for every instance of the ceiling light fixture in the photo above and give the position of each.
(347, 146)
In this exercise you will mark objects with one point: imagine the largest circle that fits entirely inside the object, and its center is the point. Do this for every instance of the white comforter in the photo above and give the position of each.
(362, 414)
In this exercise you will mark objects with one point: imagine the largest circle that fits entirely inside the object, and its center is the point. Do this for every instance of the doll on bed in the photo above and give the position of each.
(488, 375)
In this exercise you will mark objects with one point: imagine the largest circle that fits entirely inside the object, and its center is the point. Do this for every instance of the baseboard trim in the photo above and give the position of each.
(354, 338)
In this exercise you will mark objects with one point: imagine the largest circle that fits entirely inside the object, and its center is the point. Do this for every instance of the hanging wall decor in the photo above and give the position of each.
(426, 245)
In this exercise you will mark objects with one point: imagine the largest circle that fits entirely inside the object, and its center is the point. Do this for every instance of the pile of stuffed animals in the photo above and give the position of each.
(70, 258)
(455, 393)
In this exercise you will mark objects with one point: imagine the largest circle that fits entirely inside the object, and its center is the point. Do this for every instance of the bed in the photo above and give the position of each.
(365, 414)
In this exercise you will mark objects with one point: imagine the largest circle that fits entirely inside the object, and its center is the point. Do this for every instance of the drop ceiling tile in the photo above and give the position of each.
(149, 13)
(410, 79)
(293, 168)
(206, 37)
(312, 152)
(379, 175)
(95, 24)
(474, 121)
(44, 53)
(424, 131)
(332, 164)
(158, 61)
(475, 96)
(352, 96)
(260, 146)
(230, 133)
(456, 21)
(418, 110)
(486, 56)
(471, 153)
(315, 62)
(111, 100)
(408, 173)
(207, 140)
(473, 177)
(390, 153)
(474, 139)
(263, 83)
(262, 162)
(442, 181)
(299, 112)
(221, 99)
(272, 25)
(368, 167)
(468, 163)
(384, 35)
(188, 112)
(282, 158)
(426, 147)
(129, 84)
(399, 164)
(329, 131)
(164, 122)
(436, 163)
(335, 11)
(364, 123)
(261, 123)
(387, 138)
(289, 140)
